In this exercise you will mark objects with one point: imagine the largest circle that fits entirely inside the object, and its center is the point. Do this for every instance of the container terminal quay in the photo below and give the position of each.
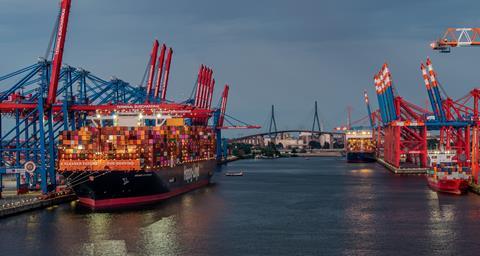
(69, 136)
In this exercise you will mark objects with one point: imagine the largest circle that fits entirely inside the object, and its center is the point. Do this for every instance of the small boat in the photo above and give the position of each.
(234, 173)
(306, 158)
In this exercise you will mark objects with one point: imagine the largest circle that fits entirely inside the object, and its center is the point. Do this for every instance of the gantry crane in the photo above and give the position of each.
(403, 124)
(47, 97)
(465, 37)
(449, 117)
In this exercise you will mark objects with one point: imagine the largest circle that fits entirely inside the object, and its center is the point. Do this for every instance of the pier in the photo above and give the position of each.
(13, 204)
(402, 170)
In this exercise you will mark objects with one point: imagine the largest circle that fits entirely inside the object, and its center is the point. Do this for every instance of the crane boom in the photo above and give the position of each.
(431, 96)
(151, 73)
(386, 95)
(206, 90)
(457, 37)
(199, 81)
(436, 91)
(212, 86)
(159, 72)
(367, 102)
(381, 103)
(167, 74)
(221, 117)
(223, 105)
(203, 87)
(58, 53)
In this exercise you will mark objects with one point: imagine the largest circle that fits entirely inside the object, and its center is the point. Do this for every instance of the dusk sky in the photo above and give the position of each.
(286, 53)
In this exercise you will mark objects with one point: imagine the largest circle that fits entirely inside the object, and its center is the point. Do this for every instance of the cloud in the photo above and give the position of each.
(287, 53)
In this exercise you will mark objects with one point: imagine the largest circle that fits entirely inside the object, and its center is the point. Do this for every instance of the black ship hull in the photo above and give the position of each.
(115, 189)
(361, 157)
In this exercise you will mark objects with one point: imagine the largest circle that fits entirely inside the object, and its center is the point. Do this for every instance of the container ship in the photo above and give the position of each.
(135, 159)
(446, 174)
(360, 146)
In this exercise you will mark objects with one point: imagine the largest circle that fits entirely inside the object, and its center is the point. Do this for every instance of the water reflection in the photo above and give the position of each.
(160, 236)
(363, 171)
(286, 207)
(33, 236)
(98, 225)
(163, 228)
(359, 216)
(443, 222)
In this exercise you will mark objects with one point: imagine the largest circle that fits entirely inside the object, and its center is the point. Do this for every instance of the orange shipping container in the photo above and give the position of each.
(175, 122)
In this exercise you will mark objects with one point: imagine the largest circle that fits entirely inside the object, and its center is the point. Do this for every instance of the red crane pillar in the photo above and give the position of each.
(159, 72)
(475, 153)
(199, 84)
(58, 52)
(151, 74)
(167, 74)
(223, 104)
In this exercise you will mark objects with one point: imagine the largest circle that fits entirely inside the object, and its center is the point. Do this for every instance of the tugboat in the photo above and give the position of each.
(447, 175)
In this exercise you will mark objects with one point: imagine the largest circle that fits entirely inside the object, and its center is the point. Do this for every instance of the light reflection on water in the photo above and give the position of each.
(160, 237)
(443, 223)
(363, 171)
(360, 218)
(98, 225)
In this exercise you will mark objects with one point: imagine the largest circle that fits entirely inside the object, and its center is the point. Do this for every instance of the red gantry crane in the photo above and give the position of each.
(465, 37)
(403, 124)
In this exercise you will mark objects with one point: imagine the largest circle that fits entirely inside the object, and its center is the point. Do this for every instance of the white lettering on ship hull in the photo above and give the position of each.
(191, 174)
(143, 175)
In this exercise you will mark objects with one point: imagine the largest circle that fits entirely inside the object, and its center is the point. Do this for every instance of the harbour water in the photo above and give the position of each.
(320, 206)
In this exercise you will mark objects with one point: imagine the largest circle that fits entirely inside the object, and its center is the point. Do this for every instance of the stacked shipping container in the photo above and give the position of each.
(134, 148)
(360, 144)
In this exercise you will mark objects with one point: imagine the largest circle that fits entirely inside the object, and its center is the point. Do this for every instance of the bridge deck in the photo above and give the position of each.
(285, 131)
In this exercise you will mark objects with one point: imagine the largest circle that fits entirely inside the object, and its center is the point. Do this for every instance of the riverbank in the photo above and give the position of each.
(321, 154)
(229, 159)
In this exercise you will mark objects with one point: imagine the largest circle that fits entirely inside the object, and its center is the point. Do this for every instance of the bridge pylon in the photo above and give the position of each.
(316, 120)
(315, 135)
(273, 124)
